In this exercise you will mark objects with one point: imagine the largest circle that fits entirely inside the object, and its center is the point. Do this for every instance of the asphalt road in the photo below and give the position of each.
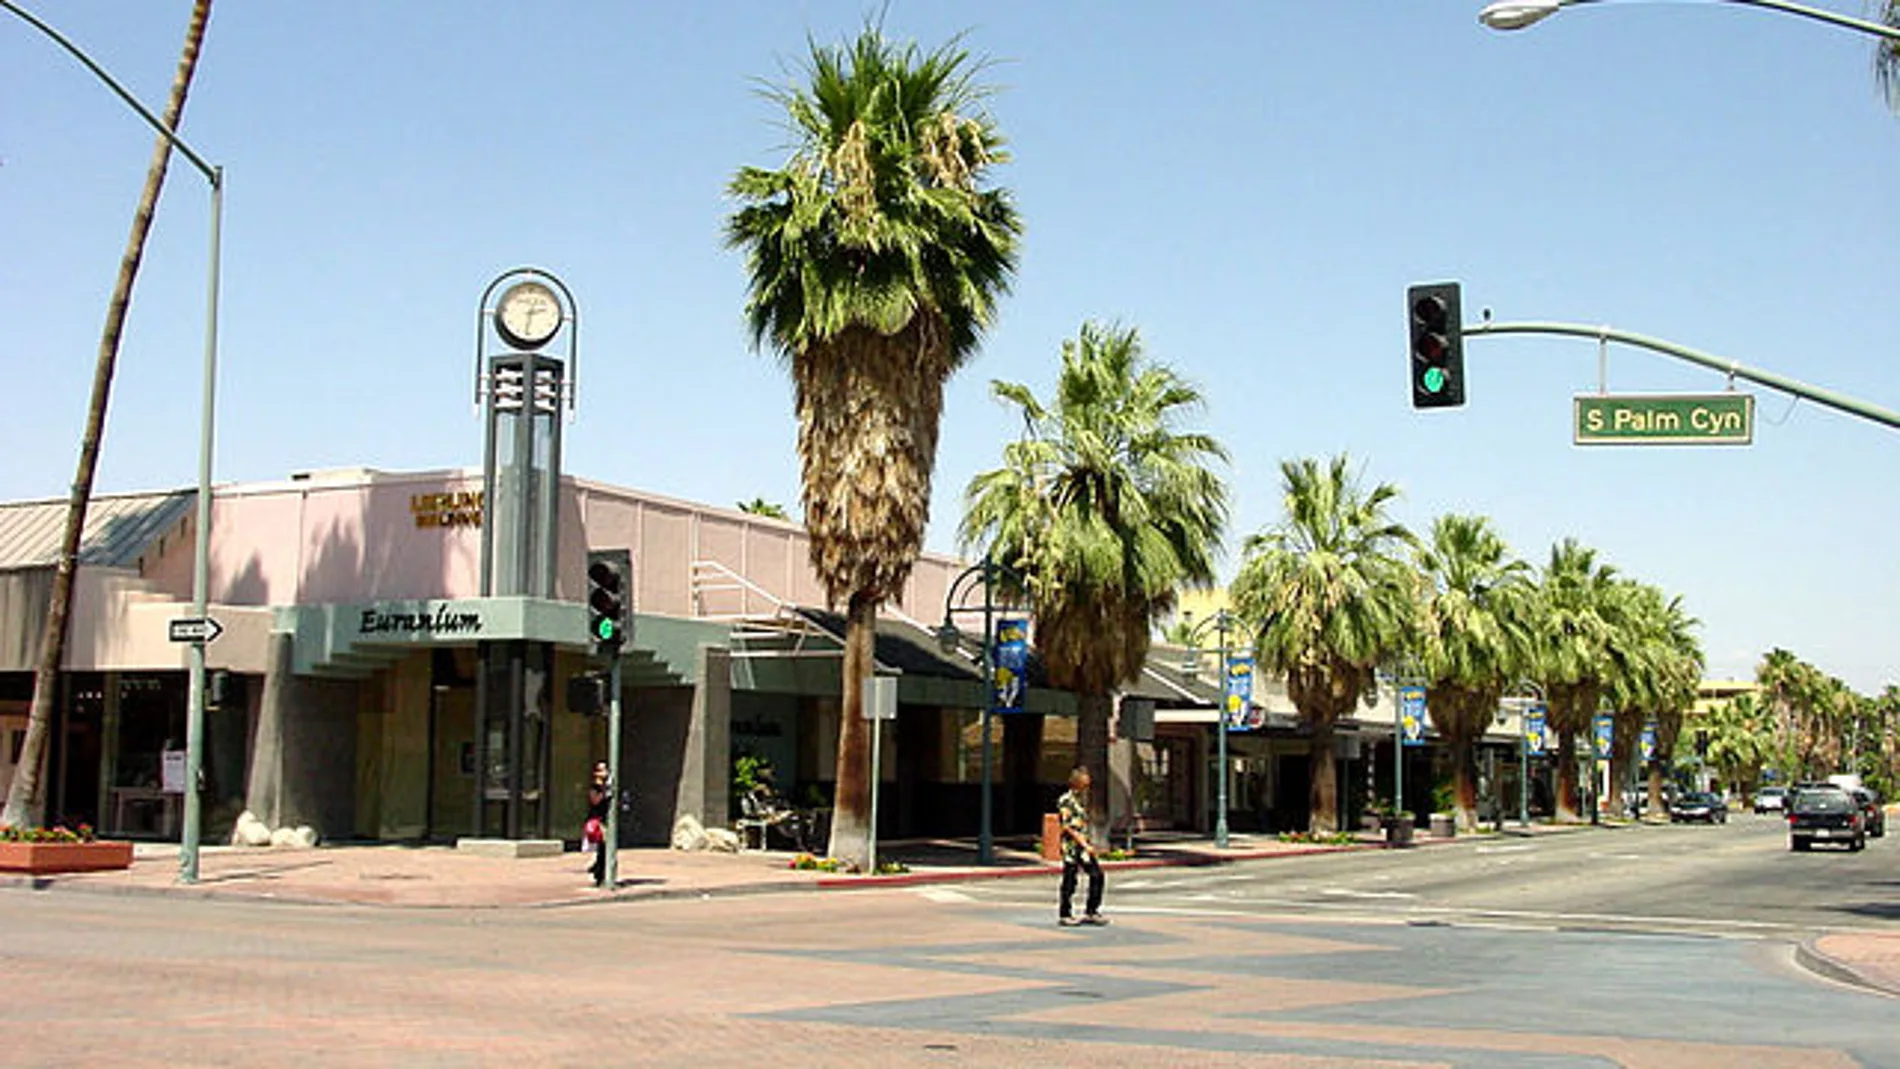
(1496, 954)
(1738, 878)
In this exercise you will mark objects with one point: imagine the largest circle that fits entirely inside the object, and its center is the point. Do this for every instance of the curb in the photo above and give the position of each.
(1809, 956)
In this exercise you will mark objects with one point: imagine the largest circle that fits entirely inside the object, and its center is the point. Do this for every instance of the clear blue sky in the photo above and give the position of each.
(1253, 184)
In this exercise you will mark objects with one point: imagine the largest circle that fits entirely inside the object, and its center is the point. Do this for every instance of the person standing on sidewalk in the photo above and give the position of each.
(1078, 853)
(600, 795)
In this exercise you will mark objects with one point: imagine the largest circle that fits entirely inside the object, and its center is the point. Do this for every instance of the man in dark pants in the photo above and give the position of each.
(1078, 852)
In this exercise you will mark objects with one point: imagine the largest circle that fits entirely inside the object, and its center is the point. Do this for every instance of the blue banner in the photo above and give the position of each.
(1604, 734)
(1011, 662)
(1412, 715)
(1237, 696)
(1649, 741)
(1535, 741)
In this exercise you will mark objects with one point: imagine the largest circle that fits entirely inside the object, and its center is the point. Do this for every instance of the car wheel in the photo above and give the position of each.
(1799, 845)
(1858, 844)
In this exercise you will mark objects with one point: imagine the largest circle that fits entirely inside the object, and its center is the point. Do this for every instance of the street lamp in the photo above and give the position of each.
(195, 715)
(1519, 14)
(1222, 622)
(985, 573)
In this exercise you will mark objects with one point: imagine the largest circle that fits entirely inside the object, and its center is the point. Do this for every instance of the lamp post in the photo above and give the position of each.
(1222, 622)
(984, 573)
(194, 720)
(1519, 14)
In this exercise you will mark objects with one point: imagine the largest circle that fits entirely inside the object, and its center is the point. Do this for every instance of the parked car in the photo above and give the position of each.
(1771, 799)
(1825, 816)
(1698, 805)
(1872, 815)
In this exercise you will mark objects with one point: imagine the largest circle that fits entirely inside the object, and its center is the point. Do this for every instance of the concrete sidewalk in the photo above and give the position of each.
(442, 877)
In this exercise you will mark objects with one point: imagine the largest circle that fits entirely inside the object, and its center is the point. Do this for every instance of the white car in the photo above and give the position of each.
(1771, 800)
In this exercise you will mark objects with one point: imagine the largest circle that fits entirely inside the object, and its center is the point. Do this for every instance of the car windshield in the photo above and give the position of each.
(1822, 802)
(1697, 798)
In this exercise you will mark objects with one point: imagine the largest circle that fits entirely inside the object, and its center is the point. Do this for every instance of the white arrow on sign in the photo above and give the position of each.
(194, 629)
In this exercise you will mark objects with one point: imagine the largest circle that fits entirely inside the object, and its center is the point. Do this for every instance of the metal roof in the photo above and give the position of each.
(119, 528)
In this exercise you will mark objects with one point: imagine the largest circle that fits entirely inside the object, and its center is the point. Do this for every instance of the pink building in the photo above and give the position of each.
(345, 679)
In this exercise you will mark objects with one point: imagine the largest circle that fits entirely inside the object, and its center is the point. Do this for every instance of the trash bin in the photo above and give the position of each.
(1051, 837)
(1398, 829)
(1444, 825)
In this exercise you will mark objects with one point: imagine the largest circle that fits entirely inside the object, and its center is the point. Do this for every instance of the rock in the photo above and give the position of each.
(284, 837)
(250, 831)
(722, 840)
(306, 836)
(689, 833)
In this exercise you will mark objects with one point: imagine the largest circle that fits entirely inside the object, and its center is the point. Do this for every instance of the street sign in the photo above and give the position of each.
(194, 629)
(1664, 419)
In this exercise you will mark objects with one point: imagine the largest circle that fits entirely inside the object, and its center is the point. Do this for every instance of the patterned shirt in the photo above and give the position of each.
(1072, 809)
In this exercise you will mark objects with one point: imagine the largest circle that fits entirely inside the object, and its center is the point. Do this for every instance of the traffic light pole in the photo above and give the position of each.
(612, 868)
(1733, 370)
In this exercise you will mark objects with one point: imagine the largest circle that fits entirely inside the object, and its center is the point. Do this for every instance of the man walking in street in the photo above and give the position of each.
(1078, 853)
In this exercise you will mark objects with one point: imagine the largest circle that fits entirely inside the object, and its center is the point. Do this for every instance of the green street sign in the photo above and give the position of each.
(1664, 419)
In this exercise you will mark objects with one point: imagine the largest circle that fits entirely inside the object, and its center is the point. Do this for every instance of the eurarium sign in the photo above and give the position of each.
(1664, 419)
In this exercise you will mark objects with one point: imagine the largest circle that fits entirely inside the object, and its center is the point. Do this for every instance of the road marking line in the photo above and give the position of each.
(1347, 892)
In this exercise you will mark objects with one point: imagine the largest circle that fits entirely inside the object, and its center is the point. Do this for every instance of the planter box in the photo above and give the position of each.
(44, 859)
(1398, 830)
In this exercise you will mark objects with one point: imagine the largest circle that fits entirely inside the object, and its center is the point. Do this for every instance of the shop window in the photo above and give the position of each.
(1058, 749)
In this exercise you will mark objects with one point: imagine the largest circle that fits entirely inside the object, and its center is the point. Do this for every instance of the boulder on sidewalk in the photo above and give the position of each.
(722, 840)
(689, 833)
(250, 831)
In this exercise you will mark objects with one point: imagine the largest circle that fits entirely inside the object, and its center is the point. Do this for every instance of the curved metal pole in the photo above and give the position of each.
(1522, 15)
(1222, 621)
(1833, 400)
(985, 572)
(195, 709)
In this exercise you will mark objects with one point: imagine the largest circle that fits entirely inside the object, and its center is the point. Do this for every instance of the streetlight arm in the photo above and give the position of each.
(212, 174)
(1520, 14)
(1769, 379)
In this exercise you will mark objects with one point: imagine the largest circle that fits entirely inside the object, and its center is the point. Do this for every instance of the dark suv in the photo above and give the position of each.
(1872, 816)
(1828, 815)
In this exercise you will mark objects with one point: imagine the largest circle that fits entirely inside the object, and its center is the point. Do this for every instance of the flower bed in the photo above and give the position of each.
(46, 851)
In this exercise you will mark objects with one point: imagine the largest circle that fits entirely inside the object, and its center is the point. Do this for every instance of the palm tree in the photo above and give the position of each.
(1573, 651)
(1887, 56)
(1665, 665)
(1474, 640)
(759, 506)
(1330, 597)
(876, 257)
(1103, 510)
(26, 800)
(1740, 740)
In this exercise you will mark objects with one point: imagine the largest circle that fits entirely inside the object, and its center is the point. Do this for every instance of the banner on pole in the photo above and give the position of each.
(1237, 695)
(1603, 734)
(1009, 664)
(1649, 740)
(1412, 715)
(1535, 739)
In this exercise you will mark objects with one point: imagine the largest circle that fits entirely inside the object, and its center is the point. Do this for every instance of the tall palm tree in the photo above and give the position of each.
(1658, 684)
(1887, 56)
(1330, 596)
(1474, 639)
(1103, 510)
(1741, 740)
(26, 796)
(1573, 654)
(876, 256)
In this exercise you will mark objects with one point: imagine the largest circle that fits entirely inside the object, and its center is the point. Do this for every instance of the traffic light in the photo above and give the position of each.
(587, 694)
(1438, 347)
(608, 575)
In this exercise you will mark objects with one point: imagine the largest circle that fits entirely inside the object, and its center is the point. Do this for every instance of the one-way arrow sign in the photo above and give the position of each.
(194, 629)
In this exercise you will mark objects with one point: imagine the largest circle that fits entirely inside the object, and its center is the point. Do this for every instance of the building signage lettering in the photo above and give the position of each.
(462, 508)
(443, 621)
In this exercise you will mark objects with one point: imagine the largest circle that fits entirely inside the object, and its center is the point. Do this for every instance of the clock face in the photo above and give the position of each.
(528, 315)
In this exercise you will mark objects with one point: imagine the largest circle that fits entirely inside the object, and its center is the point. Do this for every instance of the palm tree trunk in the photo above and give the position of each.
(1325, 796)
(26, 796)
(851, 802)
(1091, 752)
(1565, 805)
(1464, 779)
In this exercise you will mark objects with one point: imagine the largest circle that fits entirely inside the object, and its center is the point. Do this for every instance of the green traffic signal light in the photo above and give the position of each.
(1437, 358)
(608, 574)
